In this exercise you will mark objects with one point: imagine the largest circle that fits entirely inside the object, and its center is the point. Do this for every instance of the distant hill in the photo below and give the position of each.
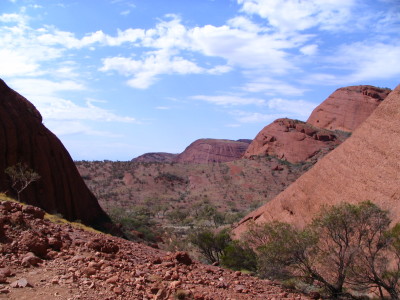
(201, 151)
(155, 157)
(213, 151)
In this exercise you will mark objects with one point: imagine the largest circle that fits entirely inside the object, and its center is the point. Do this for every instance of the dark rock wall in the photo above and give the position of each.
(23, 138)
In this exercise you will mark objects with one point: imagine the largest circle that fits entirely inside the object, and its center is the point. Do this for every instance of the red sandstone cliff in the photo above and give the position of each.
(25, 139)
(293, 141)
(365, 167)
(347, 107)
(213, 150)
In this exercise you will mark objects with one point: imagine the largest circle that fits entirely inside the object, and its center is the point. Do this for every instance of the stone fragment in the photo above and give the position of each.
(30, 259)
(20, 283)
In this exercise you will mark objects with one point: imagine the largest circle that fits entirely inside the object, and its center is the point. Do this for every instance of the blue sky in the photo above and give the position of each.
(115, 79)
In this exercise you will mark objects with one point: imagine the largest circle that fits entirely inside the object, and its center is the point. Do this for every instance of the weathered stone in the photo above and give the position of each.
(21, 283)
(31, 241)
(30, 259)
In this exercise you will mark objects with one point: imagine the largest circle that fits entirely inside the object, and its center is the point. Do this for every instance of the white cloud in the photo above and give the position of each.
(244, 49)
(145, 72)
(13, 18)
(51, 36)
(44, 94)
(359, 63)
(14, 63)
(229, 100)
(295, 15)
(309, 49)
(255, 117)
(270, 86)
(367, 60)
(243, 23)
(298, 108)
(125, 12)
(77, 127)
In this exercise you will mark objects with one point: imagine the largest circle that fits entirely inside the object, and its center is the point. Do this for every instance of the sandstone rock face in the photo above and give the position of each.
(365, 167)
(293, 141)
(212, 150)
(161, 157)
(25, 139)
(347, 107)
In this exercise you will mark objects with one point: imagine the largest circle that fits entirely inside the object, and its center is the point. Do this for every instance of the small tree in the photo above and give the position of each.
(211, 245)
(21, 177)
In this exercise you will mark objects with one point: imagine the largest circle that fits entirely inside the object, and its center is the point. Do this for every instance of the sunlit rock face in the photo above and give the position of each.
(366, 167)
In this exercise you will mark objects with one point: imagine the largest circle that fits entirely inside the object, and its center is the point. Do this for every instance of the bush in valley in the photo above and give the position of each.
(218, 247)
(239, 257)
(347, 247)
(135, 219)
(211, 245)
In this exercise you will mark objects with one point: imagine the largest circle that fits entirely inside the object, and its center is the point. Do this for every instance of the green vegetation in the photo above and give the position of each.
(347, 248)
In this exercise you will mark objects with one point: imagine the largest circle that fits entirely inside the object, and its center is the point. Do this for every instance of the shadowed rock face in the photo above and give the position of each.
(213, 150)
(365, 167)
(156, 157)
(347, 107)
(25, 139)
(293, 141)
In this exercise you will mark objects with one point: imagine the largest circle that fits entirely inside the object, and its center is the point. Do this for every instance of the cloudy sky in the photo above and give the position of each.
(117, 78)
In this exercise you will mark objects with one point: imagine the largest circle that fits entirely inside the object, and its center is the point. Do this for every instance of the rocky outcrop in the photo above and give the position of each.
(212, 150)
(76, 264)
(159, 157)
(365, 167)
(24, 139)
(347, 107)
(293, 141)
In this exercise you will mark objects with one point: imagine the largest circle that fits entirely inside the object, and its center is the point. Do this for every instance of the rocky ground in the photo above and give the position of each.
(45, 260)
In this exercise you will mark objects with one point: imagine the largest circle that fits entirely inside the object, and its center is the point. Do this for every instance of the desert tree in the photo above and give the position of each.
(346, 245)
(211, 245)
(21, 176)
